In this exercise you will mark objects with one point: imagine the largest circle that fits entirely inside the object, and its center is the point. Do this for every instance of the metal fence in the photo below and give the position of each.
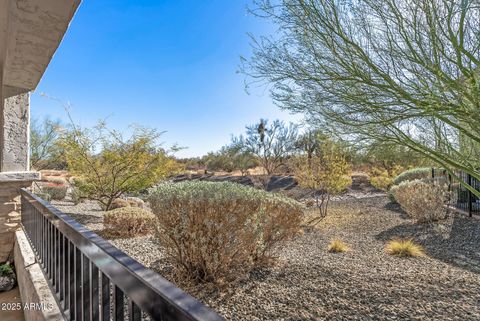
(461, 198)
(93, 280)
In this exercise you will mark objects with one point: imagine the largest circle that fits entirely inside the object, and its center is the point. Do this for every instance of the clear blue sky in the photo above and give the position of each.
(167, 64)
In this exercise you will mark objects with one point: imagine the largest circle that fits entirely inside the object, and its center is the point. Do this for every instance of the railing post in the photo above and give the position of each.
(470, 196)
(433, 172)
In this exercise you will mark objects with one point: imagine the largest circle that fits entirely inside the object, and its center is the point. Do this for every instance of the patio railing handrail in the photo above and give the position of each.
(91, 278)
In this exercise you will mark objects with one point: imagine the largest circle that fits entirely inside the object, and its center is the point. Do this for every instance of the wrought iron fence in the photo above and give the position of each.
(462, 198)
(93, 280)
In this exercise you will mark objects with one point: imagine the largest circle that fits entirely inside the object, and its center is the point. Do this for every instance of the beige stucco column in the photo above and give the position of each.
(30, 33)
(14, 165)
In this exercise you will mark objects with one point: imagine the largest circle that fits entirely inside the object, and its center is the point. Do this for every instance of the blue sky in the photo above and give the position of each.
(166, 64)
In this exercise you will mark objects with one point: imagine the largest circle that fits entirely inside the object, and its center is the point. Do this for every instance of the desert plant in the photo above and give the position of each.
(404, 248)
(337, 246)
(216, 231)
(270, 144)
(383, 178)
(424, 201)
(326, 171)
(56, 192)
(110, 165)
(6, 269)
(119, 203)
(413, 174)
(129, 221)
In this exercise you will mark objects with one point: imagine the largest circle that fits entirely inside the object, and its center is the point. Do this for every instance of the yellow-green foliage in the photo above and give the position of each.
(327, 170)
(383, 178)
(129, 221)
(424, 201)
(337, 246)
(217, 231)
(109, 165)
(404, 248)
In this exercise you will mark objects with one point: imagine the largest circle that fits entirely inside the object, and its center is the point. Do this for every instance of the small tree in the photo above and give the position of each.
(108, 165)
(45, 151)
(326, 171)
(270, 144)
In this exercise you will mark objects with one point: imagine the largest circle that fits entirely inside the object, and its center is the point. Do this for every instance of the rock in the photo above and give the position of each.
(7, 282)
(281, 183)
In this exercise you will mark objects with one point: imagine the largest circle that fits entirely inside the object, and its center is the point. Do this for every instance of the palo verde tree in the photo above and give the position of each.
(271, 144)
(405, 72)
(45, 151)
(325, 170)
(108, 165)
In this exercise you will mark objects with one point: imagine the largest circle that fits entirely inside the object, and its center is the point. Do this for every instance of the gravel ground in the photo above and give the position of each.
(308, 283)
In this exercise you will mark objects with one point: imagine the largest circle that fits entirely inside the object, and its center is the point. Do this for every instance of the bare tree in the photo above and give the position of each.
(405, 72)
(270, 144)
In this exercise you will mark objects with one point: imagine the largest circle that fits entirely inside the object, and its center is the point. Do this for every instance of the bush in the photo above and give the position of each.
(424, 201)
(382, 179)
(413, 174)
(215, 231)
(404, 248)
(337, 246)
(119, 203)
(56, 192)
(129, 221)
(44, 196)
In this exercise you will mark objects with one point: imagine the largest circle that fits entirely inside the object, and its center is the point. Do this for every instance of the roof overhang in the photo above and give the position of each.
(30, 33)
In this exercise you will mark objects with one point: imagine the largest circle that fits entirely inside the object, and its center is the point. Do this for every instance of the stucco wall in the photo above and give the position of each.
(15, 145)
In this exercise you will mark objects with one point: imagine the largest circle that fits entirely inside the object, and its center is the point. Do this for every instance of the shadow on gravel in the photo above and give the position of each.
(85, 218)
(395, 207)
(455, 241)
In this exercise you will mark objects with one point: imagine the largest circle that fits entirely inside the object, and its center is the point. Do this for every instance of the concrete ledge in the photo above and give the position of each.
(37, 299)
(19, 176)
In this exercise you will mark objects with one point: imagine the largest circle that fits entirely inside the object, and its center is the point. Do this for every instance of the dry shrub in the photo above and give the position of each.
(423, 201)
(129, 221)
(119, 203)
(136, 202)
(337, 246)
(217, 231)
(56, 192)
(404, 248)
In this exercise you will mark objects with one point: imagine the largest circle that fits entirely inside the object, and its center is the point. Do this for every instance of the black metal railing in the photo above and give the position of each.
(93, 280)
(461, 198)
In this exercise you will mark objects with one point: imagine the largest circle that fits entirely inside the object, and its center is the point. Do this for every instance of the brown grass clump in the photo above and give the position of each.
(129, 221)
(337, 246)
(404, 248)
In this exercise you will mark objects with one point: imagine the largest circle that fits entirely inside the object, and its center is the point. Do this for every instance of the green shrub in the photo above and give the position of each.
(56, 192)
(216, 231)
(44, 196)
(424, 201)
(6, 269)
(413, 174)
(129, 221)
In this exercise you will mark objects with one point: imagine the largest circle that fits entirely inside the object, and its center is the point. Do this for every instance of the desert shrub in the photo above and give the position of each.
(383, 178)
(337, 246)
(404, 248)
(119, 203)
(56, 192)
(135, 202)
(413, 174)
(216, 231)
(424, 201)
(129, 221)
(6, 269)
(44, 196)
(326, 171)
(110, 165)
